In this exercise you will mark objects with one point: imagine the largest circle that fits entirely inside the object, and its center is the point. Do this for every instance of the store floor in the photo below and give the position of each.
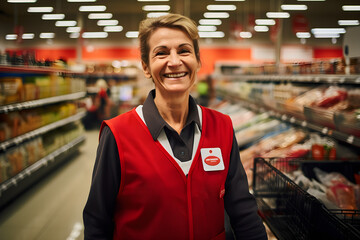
(52, 209)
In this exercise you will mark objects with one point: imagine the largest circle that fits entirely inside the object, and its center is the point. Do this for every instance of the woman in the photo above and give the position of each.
(167, 169)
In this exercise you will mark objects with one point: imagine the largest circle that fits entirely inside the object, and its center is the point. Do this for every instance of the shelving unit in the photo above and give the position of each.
(30, 174)
(289, 117)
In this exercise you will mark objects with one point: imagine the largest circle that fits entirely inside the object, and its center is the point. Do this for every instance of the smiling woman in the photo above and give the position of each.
(171, 167)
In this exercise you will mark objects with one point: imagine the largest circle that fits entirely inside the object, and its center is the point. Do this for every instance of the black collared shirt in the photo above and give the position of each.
(98, 213)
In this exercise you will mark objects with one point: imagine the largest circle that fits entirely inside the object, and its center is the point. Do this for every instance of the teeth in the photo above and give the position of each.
(175, 75)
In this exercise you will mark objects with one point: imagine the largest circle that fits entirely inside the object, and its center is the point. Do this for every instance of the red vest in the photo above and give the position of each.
(156, 200)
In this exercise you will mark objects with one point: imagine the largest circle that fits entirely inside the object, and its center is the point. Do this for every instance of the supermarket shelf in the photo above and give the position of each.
(37, 132)
(318, 78)
(32, 69)
(287, 117)
(20, 182)
(40, 102)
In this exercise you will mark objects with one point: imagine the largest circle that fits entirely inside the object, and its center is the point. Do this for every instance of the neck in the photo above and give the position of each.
(173, 109)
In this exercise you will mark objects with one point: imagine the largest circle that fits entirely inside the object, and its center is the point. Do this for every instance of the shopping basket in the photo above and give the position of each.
(292, 213)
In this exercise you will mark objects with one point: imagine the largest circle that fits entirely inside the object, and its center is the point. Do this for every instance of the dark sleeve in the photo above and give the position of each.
(240, 205)
(99, 210)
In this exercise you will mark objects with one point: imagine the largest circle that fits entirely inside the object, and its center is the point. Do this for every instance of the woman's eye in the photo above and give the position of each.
(184, 51)
(160, 53)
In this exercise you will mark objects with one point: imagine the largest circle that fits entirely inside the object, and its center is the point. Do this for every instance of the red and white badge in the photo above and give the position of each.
(212, 159)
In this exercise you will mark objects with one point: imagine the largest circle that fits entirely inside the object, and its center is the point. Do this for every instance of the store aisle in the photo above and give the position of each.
(52, 209)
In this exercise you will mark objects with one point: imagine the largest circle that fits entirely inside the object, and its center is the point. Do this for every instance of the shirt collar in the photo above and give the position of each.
(156, 123)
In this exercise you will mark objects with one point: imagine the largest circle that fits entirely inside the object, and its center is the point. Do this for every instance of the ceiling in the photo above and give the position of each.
(129, 13)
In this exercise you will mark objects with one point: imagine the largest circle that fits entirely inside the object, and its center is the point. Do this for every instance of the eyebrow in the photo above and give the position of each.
(181, 45)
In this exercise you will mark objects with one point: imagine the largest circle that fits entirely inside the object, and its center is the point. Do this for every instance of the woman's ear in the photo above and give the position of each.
(146, 69)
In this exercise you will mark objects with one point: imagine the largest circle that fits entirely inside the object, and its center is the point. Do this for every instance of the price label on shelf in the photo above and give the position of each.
(350, 139)
(292, 119)
(304, 124)
(325, 130)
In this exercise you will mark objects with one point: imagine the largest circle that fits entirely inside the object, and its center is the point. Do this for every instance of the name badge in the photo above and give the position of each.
(212, 159)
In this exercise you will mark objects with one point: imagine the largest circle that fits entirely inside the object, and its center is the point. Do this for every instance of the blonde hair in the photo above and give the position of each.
(149, 25)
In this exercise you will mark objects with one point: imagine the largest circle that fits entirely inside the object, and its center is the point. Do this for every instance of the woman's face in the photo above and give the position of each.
(172, 61)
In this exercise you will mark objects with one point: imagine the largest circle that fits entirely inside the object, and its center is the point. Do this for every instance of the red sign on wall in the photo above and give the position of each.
(300, 23)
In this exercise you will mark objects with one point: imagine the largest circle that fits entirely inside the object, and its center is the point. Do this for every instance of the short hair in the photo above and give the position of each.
(171, 20)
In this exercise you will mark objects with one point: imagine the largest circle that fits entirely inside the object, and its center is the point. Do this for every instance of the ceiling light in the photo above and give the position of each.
(221, 7)
(351, 7)
(73, 29)
(28, 36)
(210, 22)
(229, 0)
(328, 30)
(156, 8)
(47, 35)
(348, 22)
(74, 35)
(65, 23)
(216, 34)
(327, 35)
(265, 22)
(11, 36)
(207, 28)
(311, 0)
(156, 14)
(81, 0)
(245, 34)
(53, 16)
(216, 15)
(277, 14)
(153, 0)
(293, 7)
(132, 34)
(113, 29)
(100, 16)
(261, 28)
(40, 9)
(107, 22)
(95, 35)
(21, 1)
(94, 8)
(303, 35)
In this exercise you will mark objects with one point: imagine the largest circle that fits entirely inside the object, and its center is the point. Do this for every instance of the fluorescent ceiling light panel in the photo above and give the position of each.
(65, 23)
(28, 36)
(216, 34)
(348, 22)
(229, 0)
(327, 35)
(156, 14)
(94, 8)
(328, 30)
(149, 8)
(50, 16)
(210, 22)
(294, 7)
(73, 29)
(40, 9)
(107, 22)
(265, 22)
(47, 35)
(245, 34)
(277, 14)
(261, 28)
(132, 34)
(228, 7)
(95, 35)
(81, 0)
(303, 35)
(74, 35)
(113, 29)
(100, 15)
(11, 36)
(206, 28)
(153, 0)
(21, 1)
(216, 15)
(351, 7)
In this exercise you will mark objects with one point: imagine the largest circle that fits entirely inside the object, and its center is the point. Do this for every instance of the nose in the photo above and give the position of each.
(174, 60)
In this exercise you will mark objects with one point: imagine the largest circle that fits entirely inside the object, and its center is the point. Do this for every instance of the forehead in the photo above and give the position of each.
(168, 37)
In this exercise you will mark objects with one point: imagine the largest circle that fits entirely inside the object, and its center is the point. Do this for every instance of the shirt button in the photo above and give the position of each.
(182, 153)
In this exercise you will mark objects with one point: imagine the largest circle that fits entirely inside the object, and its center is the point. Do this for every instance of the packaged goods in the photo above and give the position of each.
(11, 90)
